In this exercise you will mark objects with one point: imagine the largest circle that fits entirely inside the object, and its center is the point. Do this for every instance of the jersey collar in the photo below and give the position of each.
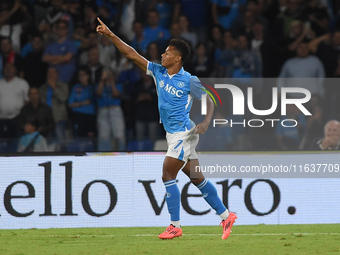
(181, 72)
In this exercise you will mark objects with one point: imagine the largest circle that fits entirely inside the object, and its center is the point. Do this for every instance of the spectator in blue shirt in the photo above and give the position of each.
(154, 32)
(32, 140)
(61, 54)
(81, 102)
(140, 42)
(110, 118)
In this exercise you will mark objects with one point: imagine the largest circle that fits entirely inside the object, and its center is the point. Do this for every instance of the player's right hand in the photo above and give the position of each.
(102, 28)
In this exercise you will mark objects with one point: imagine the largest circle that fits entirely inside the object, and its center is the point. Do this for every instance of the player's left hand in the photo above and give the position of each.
(202, 127)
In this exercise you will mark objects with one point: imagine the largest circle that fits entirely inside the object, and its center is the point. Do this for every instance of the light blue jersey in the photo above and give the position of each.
(175, 96)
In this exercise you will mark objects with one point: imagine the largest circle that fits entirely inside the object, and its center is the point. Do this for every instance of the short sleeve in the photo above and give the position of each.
(196, 88)
(153, 68)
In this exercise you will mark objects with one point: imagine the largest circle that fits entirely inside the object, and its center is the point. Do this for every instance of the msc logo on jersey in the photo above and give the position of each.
(173, 90)
(161, 84)
(180, 84)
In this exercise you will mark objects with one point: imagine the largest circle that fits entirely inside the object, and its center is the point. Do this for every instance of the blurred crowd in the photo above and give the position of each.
(63, 87)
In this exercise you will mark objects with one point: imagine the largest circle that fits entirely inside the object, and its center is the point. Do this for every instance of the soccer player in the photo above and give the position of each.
(175, 88)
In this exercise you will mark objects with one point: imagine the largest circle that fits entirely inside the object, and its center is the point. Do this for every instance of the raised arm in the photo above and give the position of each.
(124, 48)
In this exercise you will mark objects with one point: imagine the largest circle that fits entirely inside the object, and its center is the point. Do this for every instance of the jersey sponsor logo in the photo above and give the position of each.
(173, 91)
(161, 84)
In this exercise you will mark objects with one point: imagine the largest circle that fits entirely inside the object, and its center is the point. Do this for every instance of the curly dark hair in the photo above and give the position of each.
(182, 47)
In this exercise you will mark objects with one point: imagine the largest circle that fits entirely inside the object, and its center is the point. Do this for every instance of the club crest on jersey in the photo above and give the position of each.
(161, 84)
(180, 84)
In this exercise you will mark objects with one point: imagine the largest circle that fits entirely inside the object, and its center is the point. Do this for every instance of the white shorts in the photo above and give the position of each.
(182, 145)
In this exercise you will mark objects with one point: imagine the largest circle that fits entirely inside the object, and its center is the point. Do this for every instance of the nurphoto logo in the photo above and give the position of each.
(238, 105)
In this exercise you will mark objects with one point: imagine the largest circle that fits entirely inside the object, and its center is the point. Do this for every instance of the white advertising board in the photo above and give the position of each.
(126, 190)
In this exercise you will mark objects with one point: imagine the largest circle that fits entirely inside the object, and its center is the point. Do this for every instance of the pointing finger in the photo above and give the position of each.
(101, 22)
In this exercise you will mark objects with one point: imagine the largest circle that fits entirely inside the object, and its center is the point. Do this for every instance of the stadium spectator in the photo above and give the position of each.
(61, 54)
(48, 32)
(246, 63)
(175, 30)
(331, 139)
(55, 93)
(110, 118)
(13, 96)
(165, 8)
(315, 122)
(282, 24)
(305, 71)
(32, 140)
(316, 14)
(108, 56)
(269, 52)
(244, 22)
(108, 11)
(14, 19)
(147, 117)
(186, 33)
(34, 68)
(90, 16)
(216, 41)
(81, 103)
(94, 65)
(197, 14)
(224, 56)
(153, 52)
(139, 42)
(299, 32)
(36, 109)
(127, 16)
(92, 41)
(327, 48)
(80, 38)
(74, 9)
(8, 55)
(201, 64)
(55, 13)
(224, 13)
(130, 77)
(154, 31)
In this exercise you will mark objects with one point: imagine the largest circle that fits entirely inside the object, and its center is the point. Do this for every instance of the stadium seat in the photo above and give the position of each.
(80, 145)
(161, 145)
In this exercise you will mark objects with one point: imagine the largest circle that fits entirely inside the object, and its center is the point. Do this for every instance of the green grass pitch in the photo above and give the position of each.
(256, 239)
